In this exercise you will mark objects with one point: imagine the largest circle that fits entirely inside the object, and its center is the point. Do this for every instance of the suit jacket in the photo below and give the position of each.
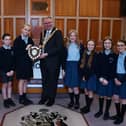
(54, 48)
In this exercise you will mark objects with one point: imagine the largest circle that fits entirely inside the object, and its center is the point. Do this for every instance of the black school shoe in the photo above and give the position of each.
(114, 117)
(76, 106)
(11, 102)
(118, 121)
(98, 114)
(24, 100)
(50, 102)
(5, 104)
(85, 109)
(70, 104)
(42, 101)
(27, 101)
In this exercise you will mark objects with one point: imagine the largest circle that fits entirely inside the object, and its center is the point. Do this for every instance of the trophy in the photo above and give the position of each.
(34, 52)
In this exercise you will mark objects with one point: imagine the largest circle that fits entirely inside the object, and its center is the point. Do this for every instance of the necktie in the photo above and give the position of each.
(47, 33)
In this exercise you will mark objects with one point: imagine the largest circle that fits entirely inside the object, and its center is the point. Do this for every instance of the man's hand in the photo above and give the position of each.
(43, 55)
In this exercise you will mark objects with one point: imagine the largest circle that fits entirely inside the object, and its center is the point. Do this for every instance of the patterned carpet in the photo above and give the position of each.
(36, 115)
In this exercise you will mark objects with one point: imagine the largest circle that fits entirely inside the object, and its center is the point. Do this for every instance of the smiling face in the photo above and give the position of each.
(91, 45)
(73, 37)
(107, 44)
(121, 46)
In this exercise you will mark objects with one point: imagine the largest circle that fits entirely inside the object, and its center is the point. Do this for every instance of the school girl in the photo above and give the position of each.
(23, 63)
(120, 83)
(106, 71)
(71, 80)
(88, 77)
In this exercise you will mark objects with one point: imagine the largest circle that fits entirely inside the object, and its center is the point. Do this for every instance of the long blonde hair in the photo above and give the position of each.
(68, 38)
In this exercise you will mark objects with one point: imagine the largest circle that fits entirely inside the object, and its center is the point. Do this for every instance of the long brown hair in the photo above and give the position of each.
(83, 60)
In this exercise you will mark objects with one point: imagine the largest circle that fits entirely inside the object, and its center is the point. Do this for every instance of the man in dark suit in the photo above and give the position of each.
(50, 60)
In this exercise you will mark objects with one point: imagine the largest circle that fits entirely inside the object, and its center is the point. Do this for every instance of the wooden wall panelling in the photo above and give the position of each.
(89, 8)
(0, 30)
(71, 24)
(8, 26)
(105, 28)
(60, 24)
(14, 7)
(39, 90)
(0, 7)
(83, 30)
(65, 7)
(94, 30)
(116, 31)
(36, 30)
(19, 24)
(40, 7)
(111, 8)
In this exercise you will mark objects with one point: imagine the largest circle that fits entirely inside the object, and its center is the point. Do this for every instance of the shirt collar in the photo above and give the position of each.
(24, 37)
(123, 53)
(49, 31)
(6, 47)
(107, 52)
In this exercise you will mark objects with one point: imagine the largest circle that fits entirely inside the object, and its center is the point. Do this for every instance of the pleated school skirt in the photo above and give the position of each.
(89, 84)
(72, 74)
(105, 90)
(120, 90)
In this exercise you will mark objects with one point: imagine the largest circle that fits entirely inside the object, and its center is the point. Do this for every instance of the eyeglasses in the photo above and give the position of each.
(120, 45)
(47, 23)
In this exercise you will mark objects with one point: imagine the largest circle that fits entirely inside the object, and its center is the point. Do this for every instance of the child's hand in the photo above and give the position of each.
(10, 73)
(101, 79)
(117, 82)
(83, 78)
(28, 46)
(105, 82)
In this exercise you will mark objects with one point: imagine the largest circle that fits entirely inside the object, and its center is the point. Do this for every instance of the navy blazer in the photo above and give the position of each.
(106, 65)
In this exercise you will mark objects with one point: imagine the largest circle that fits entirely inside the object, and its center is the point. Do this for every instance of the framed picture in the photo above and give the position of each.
(40, 7)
